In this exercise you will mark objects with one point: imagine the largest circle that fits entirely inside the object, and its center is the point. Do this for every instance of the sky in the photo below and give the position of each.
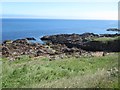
(60, 9)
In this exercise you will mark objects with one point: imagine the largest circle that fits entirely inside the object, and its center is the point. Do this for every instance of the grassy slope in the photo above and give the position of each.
(0, 73)
(82, 72)
(105, 39)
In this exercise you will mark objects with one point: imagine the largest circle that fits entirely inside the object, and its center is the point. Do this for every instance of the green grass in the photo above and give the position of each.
(84, 72)
(0, 73)
(105, 39)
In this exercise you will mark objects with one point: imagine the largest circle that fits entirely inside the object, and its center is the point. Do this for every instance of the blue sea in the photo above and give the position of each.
(21, 28)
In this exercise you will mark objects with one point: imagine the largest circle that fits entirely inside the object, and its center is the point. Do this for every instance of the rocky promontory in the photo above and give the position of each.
(85, 41)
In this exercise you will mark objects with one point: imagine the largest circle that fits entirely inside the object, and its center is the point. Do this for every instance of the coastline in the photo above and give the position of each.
(62, 44)
(55, 65)
(59, 44)
(37, 28)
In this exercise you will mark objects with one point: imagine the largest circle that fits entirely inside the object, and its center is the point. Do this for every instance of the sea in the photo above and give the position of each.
(13, 29)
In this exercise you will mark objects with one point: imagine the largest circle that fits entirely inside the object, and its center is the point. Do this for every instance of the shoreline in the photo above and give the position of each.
(62, 45)
(38, 39)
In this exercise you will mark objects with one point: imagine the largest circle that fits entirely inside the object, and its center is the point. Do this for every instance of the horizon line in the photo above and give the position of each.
(54, 18)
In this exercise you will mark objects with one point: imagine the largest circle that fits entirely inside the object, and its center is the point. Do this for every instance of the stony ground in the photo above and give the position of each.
(61, 46)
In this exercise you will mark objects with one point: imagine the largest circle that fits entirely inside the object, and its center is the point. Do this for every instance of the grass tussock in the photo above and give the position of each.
(84, 72)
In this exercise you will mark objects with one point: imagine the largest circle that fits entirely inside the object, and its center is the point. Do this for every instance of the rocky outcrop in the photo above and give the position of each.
(110, 46)
(20, 41)
(113, 29)
(86, 35)
(109, 35)
(59, 46)
(7, 41)
(85, 42)
(23, 47)
(69, 40)
(62, 38)
(32, 38)
(5, 51)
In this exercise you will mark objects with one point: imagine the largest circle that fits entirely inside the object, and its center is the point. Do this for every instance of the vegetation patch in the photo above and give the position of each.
(84, 72)
(106, 39)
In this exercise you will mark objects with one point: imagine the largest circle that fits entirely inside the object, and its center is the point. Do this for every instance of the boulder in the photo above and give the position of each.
(45, 38)
(5, 51)
(97, 54)
(40, 52)
(50, 51)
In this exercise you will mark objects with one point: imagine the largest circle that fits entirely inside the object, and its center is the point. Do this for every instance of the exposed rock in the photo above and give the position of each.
(89, 35)
(113, 29)
(63, 38)
(5, 51)
(109, 35)
(62, 56)
(21, 41)
(50, 51)
(30, 38)
(110, 46)
(45, 38)
(68, 38)
(40, 52)
(98, 54)
(60, 46)
(7, 41)
(70, 50)
(83, 41)
(23, 47)
(55, 57)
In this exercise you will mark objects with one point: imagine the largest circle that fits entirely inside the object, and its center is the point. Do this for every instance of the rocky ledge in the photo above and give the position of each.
(85, 41)
(69, 38)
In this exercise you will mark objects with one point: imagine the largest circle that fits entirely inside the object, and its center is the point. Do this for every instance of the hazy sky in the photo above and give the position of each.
(61, 10)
